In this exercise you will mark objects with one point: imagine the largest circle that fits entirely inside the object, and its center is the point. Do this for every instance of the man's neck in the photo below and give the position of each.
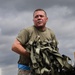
(41, 28)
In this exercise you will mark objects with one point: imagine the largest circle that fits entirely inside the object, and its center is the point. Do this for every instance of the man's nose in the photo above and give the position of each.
(39, 17)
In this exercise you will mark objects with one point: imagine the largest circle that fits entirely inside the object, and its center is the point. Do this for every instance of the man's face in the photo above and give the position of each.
(40, 19)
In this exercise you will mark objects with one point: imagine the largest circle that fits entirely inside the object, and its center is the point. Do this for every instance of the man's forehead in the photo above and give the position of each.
(39, 13)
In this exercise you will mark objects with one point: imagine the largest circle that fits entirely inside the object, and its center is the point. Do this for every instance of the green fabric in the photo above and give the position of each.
(29, 35)
(47, 60)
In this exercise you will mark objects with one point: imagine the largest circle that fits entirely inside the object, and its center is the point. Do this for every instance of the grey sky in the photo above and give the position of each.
(18, 14)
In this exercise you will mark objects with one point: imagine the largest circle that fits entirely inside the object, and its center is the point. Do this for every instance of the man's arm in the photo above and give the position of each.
(18, 48)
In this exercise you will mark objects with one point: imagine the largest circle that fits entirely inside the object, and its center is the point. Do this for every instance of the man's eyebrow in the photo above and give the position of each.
(38, 15)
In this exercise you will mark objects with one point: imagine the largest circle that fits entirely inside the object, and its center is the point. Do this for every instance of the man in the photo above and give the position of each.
(29, 34)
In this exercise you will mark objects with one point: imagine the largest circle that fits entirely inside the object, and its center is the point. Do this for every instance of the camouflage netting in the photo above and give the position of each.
(45, 60)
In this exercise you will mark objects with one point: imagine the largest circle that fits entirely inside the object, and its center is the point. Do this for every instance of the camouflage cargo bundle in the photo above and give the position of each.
(45, 60)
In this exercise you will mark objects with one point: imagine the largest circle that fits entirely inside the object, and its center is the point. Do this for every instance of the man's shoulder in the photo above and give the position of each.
(49, 29)
(28, 29)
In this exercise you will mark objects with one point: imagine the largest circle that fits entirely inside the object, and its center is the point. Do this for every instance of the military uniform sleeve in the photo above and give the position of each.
(23, 36)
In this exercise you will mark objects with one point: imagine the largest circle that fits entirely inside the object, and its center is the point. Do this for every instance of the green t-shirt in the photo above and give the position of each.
(30, 34)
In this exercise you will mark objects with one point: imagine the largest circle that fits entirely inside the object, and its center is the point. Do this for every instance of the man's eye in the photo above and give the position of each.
(38, 16)
(41, 15)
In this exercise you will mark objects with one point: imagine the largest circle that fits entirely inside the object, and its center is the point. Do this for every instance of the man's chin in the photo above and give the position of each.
(39, 26)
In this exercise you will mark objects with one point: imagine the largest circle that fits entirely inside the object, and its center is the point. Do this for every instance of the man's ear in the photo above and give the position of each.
(47, 19)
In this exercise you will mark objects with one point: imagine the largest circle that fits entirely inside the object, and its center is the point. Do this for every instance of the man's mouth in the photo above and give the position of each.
(39, 21)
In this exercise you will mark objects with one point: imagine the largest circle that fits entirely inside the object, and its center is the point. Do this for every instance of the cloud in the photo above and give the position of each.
(29, 5)
(12, 23)
(0, 31)
(10, 69)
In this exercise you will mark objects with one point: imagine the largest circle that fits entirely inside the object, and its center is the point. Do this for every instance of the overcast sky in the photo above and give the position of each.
(17, 14)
